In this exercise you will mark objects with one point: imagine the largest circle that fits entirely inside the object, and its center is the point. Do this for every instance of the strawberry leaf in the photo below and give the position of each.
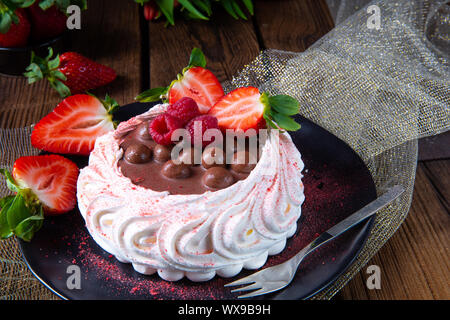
(5, 22)
(192, 10)
(17, 212)
(277, 111)
(284, 104)
(286, 122)
(238, 10)
(10, 182)
(48, 68)
(5, 204)
(27, 227)
(152, 95)
(249, 5)
(166, 7)
(20, 215)
(197, 59)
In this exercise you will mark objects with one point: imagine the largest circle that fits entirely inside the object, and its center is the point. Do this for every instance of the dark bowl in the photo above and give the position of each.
(13, 61)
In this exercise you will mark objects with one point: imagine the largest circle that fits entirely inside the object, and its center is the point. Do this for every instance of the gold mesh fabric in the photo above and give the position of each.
(378, 90)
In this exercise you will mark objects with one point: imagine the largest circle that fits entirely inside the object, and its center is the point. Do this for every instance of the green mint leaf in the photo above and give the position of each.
(152, 95)
(197, 58)
(286, 122)
(284, 104)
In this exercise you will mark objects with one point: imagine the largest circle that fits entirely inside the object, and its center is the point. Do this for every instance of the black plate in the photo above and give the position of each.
(337, 183)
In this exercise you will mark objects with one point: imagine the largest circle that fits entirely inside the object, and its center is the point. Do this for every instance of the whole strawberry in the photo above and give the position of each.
(47, 23)
(15, 33)
(70, 73)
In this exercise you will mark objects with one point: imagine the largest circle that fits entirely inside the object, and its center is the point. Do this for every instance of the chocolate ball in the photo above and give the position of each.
(188, 157)
(243, 162)
(217, 178)
(161, 153)
(175, 171)
(142, 131)
(213, 157)
(138, 153)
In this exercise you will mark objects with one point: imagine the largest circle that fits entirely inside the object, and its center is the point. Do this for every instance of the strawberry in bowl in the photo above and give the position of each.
(31, 25)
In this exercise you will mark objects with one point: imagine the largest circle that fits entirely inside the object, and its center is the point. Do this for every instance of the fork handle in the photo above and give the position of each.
(360, 215)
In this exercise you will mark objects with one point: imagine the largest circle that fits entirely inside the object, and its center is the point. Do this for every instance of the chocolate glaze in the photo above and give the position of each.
(150, 174)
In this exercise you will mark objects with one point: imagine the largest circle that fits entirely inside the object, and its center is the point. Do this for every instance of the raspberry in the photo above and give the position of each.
(162, 127)
(207, 122)
(184, 109)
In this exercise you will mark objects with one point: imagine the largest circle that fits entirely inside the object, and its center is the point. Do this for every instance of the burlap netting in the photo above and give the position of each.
(378, 90)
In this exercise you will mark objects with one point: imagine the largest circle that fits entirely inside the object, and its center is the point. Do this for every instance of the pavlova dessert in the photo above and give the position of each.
(159, 209)
(203, 184)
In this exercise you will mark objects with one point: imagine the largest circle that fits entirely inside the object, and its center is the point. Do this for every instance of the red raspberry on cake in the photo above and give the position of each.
(162, 127)
(206, 122)
(184, 109)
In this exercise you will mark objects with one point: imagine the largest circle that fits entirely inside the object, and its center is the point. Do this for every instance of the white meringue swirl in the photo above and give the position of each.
(197, 236)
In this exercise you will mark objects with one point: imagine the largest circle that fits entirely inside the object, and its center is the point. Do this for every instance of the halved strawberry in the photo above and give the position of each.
(52, 178)
(74, 125)
(45, 183)
(246, 108)
(199, 84)
(194, 82)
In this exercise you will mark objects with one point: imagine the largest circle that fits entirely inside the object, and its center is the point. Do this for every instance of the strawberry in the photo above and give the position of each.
(151, 11)
(16, 32)
(70, 73)
(246, 108)
(45, 183)
(74, 125)
(195, 82)
(47, 23)
(199, 84)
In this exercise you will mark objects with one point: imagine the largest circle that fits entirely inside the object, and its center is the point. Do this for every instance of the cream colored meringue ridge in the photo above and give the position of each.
(197, 236)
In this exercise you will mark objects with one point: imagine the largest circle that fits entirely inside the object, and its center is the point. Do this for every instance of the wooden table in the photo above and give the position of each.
(414, 263)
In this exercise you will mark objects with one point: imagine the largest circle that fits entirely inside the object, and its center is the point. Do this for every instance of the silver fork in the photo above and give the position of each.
(279, 276)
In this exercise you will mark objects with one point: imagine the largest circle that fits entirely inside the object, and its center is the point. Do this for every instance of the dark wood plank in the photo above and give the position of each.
(435, 147)
(439, 174)
(227, 43)
(295, 26)
(414, 262)
(109, 35)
